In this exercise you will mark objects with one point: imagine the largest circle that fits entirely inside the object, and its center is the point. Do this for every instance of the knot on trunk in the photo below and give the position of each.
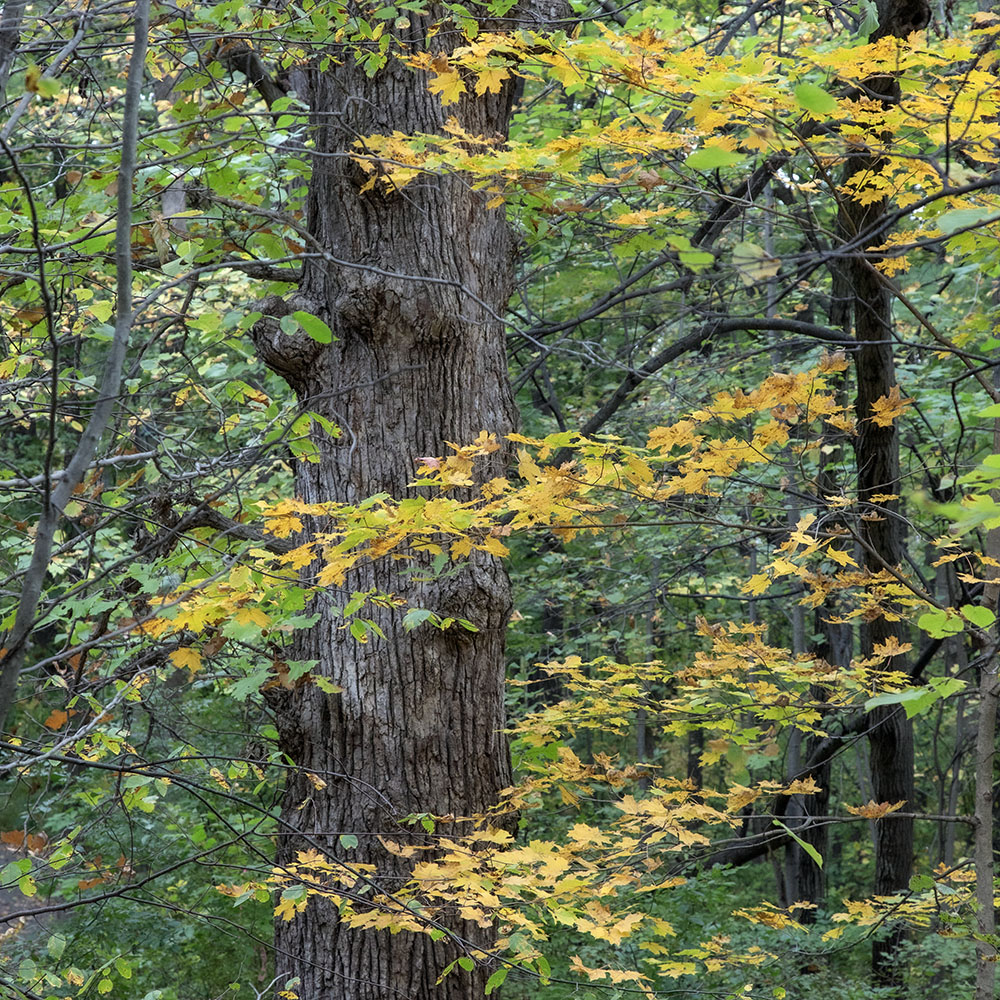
(290, 355)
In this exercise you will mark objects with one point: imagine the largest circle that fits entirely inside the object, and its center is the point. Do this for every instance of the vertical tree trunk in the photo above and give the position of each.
(877, 456)
(890, 732)
(985, 771)
(413, 288)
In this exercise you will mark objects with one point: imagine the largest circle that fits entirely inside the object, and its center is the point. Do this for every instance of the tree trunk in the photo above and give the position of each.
(890, 733)
(877, 455)
(985, 771)
(413, 287)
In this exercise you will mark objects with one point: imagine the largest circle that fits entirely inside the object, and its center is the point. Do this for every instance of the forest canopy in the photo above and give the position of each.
(498, 499)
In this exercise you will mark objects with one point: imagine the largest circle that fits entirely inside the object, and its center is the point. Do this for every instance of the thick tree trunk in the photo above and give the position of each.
(413, 288)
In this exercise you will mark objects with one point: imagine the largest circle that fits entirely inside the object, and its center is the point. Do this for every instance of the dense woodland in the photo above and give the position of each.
(499, 498)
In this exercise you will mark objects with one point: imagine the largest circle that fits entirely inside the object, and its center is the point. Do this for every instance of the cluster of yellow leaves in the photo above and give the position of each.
(686, 103)
(742, 689)
(455, 514)
(587, 882)
(203, 603)
(947, 891)
(776, 917)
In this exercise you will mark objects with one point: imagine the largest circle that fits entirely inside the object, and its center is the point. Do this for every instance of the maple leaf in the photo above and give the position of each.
(449, 85)
(490, 80)
(876, 810)
(286, 909)
(891, 647)
(57, 719)
(248, 616)
(757, 584)
(186, 657)
(885, 409)
(841, 557)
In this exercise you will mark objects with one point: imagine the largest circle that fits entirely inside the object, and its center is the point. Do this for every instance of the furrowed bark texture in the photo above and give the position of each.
(412, 289)
(890, 734)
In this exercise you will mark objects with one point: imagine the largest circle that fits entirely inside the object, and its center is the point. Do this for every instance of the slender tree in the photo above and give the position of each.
(876, 446)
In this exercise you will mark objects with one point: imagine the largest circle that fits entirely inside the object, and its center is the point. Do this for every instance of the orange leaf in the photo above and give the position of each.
(57, 719)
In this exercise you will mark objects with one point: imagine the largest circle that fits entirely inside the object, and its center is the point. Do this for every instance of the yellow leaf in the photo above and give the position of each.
(757, 584)
(782, 567)
(835, 362)
(285, 909)
(449, 85)
(876, 810)
(891, 647)
(247, 616)
(495, 547)
(490, 80)
(840, 557)
(186, 658)
(885, 409)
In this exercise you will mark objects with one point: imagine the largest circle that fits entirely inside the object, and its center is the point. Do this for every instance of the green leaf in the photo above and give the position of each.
(754, 263)
(808, 848)
(466, 963)
(56, 946)
(920, 882)
(916, 701)
(712, 157)
(940, 624)
(445, 971)
(964, 218)
(815, 100)
(124, 969)
(544, 969)
(348, 841)
(990, 411)
(496, 980)
(48, 86)
(314, 327)
(415, 617)
(326, 685)
(354, 604)
(697, 260)
(978, 615)
(13, 871)
(867, 11)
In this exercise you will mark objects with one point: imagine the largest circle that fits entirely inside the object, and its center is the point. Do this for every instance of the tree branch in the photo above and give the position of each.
(86, 449)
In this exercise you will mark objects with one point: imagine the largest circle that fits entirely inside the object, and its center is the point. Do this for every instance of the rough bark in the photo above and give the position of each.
(891, 733)
(877, 457)
(413, 286)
